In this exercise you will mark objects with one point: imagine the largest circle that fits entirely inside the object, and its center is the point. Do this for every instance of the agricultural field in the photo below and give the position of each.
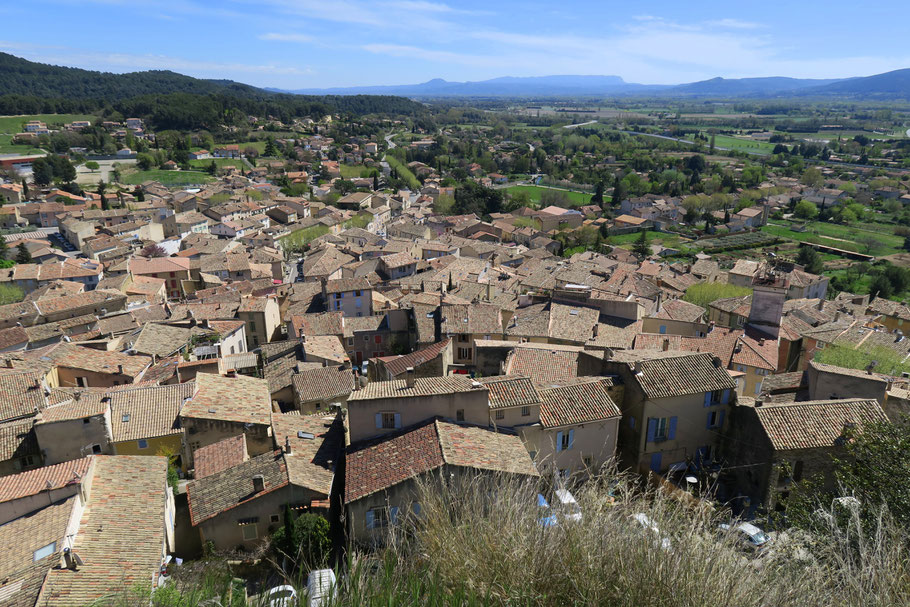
(741, 240)
(353, 171)
(219, 162)
(300, 238)
(576, 199)
(167, 177)
(13, 124)
(871, 239)
(7, 147)
(738, 144)
(669, 240)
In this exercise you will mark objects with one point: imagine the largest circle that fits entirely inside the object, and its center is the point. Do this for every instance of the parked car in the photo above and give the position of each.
(282, 596)
(748, 535)
(320, 587)
(545, 516)
(567, 507)
(649, 525)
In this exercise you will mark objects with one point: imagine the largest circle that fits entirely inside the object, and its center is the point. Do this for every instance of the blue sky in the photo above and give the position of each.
(311, 43)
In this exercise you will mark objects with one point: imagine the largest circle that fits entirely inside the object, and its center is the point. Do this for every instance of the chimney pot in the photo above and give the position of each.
(258, 483)
(409, 377)
(666, 345)
(287, 446)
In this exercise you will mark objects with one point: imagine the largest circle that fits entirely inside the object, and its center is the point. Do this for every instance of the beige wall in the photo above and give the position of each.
(202, 432)
(347, 304)
(362, 413)
(226, 534)
(823, 385)
(595, 442)
(73, 439)
(261, 327)
(69, 378)
(674, 327)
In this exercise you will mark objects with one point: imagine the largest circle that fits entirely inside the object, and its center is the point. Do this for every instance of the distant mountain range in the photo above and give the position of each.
(890, 85)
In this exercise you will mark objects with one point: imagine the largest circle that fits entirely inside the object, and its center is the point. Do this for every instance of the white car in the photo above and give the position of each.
(648, 523)
(748, 535)
(282, 596)
(567, 505)
(320, 587)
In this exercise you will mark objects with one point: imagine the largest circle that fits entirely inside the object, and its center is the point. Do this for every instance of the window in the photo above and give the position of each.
(464, 353)
(125, 418)
(86, 420)
(44, 551)
(525, 411)
(798, 470)
(252, 326)
(358, 303)
(715, 419)
(250, 532)
(142, 443)
(588, 461)
(380, 517)
(275, 518)
(565, 440)
(663, 329)
(464, 337)
(173, 274)
(366, 338)
(388, 420)
(82, 382)
(96, 449)
(661, 429)
(660, 432)
(500, 414)
(459, 415)
(351, 341)
(378, 339)
(632, 422)
(357, 293)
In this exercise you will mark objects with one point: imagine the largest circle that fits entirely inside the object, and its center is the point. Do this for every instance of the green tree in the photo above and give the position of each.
(704, 293)
(25, 191)
(42, 172)
(598, 197)
(92, 165)
(805, 210)
(812, 177)
(808, 258)
(304, 541)
(4, 248)
(145, 162)
(270, 149)
(212, 169)
(641, 247)
(375, 182)
(22, 254)
(10, 294)
(881, 287)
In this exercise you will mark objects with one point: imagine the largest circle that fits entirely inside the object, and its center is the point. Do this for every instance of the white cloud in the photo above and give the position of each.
(736, 24)
(276, 37)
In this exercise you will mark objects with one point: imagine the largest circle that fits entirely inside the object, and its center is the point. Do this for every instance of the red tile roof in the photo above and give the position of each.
(219, 456)
(35, 481)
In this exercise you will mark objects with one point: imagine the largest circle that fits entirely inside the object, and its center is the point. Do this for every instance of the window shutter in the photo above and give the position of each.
(370, 521)
(571, 438)
(671, 432)
(558, 442)
(632, 422)
(398, 420)
(379, 420)
(655, 462)
(725, 397)
(416, 508)
(708, 425)
(707, 399)
(652, 429)
(720, 419)
(393, 514)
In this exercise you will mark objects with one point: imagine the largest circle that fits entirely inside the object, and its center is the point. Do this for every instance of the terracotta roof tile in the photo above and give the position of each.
(577, 404)
(815, 424)
(224, 454)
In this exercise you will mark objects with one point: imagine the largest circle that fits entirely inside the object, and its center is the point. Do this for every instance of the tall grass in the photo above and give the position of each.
(479, 542)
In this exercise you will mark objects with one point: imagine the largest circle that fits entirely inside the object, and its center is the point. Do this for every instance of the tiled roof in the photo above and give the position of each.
(815, 424)
(325, 346)
(479, 319)
(162, 340)
(74, 404)
(577, 404)
(17, 439)
(327, 323)
(677, 309)
(665, 374)
(312, 461)
(510, 391)
(238, 399)
(21, 578)
(851, 372)
(543, 366)
(378, 465)
(227, 489)
(119, 551)
(30, 482)
(398, 365)
(423, 386)
(323, 383)
(224, 454)
(21, 394)
(344, 285)
(147, 412)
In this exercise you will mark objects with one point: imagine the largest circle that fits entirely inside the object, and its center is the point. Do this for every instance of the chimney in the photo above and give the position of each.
(409, 377)
(821, 304)
(596, 329)
(119, 369)
(666, 345)
(761, 341)
(287, 446)
(716, 363)
(258, 483)
(759, 402)
(711, 326)
(836, 316)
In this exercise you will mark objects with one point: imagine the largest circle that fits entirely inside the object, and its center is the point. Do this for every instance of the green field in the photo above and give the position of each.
(167, 177)
(739, 145)
(7, 147)
(627, 241)
(219, 162)
(576, 199)
(13, 124)
(353, 171)
(403, 172)
(844, 237)
(302, 237)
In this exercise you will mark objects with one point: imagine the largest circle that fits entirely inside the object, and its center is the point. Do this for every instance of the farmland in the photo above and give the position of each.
(219, 162)
(13, 124)
(576, 199)
(175, 178)
(872, 239)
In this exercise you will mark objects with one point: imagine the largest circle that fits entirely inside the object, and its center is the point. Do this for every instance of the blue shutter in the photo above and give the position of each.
(632, 422)
(571, 438)
(652, 429)
(379, 420)
(663, 329)
(416, 508)
(398, 420)
(720, 419)
(370, 521)
(558, 442)
(671, 433)
(708, 425)
(655, 462)
(707, 399)
(725, 397)
(393, 514)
